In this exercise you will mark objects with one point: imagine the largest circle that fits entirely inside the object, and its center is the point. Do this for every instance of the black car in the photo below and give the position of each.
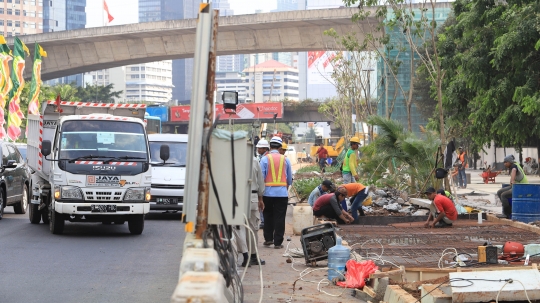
(14, 179)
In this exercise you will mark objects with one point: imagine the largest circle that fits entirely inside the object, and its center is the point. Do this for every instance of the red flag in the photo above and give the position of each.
(106, 8)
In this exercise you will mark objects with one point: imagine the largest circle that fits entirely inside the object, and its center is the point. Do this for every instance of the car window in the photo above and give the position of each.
(13, 155)
(18, 155)
(5, 154)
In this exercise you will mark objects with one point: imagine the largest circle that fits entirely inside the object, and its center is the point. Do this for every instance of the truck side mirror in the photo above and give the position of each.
(46, 148)
(164, 152)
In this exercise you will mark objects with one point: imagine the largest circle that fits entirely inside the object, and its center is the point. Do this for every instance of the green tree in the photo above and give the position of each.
(98, 93)
(493, 70)
(339, 109)
(397, 157)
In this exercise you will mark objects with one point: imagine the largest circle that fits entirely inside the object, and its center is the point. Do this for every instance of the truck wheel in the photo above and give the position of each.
(20, 208)
(56, 225)
(136, 224)
(34, 214)
(45, 215)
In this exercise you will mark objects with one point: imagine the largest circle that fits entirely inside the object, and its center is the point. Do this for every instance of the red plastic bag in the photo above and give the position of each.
(357, 272)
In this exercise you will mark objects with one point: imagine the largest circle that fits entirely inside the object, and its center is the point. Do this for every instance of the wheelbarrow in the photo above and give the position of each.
(488, 176)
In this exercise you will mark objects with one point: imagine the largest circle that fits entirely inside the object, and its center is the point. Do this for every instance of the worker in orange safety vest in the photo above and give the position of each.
(277, 172)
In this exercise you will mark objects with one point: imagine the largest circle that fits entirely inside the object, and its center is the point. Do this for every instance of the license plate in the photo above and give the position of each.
(103, 208)
(167, 201)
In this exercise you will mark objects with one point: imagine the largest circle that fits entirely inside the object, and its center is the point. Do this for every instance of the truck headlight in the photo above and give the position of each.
(137, 194)
(68, 192)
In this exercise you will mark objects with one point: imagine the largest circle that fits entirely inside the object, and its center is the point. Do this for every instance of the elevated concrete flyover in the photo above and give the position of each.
(84, 50)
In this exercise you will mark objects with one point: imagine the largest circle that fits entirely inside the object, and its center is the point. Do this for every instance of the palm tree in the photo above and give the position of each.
(399, 155)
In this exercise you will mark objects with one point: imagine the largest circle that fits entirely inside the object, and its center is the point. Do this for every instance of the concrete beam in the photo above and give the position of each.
(84, 50)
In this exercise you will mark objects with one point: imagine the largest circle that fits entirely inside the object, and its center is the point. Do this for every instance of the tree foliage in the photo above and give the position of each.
(492, 62)
(339, 109)
(398, 158)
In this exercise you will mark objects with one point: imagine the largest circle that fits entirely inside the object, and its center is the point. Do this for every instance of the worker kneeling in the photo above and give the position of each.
(442, 210)
(329, 205)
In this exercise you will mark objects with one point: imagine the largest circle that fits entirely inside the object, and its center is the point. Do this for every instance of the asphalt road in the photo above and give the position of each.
(90, 262)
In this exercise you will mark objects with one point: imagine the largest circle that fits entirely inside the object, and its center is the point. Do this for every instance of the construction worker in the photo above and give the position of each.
(517, 176)
(442, 211)
(349, 162)
(358, 193)
(322, 155)
(277, 173)
(461, 165)
(283, 148)
(257, 191)
(325, 188)
(262, 148)
(329, 206)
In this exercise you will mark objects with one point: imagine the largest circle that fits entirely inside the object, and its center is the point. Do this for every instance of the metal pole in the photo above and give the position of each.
(386, 91)
(197, 187)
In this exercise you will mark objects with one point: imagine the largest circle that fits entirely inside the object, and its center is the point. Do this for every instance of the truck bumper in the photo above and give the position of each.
(84, 208)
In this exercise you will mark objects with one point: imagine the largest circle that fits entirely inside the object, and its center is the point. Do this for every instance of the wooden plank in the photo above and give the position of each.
(383, 274)
(516, 224)
(368, 290)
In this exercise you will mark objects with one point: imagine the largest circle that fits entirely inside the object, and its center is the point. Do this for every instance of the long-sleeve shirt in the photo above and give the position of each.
(353, 163)
(328, 199)
(316, 193)
(257, 183)
(276, 191)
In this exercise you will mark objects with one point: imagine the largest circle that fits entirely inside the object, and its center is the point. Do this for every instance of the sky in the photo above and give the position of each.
(123, 11)
(126, 11)
(242, 7)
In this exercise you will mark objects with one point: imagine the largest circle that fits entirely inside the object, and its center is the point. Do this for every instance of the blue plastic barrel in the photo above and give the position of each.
(337, 258)
(526, 202)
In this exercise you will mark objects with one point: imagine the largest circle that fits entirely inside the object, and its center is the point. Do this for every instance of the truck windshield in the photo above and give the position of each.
(107, 139)
(177, 153)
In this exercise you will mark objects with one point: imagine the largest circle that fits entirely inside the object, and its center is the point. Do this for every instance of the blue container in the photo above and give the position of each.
(526, 202)
(337, 258)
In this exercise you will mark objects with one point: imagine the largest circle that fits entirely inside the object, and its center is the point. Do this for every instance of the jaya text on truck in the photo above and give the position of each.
(90, 163)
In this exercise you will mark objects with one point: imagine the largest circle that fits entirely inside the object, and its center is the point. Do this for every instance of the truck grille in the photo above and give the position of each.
(103, 195)
(168, 186)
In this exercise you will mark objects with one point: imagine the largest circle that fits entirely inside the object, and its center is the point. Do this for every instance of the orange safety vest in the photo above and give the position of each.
(276, 162)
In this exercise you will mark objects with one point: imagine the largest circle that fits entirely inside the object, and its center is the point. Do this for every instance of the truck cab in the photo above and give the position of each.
(91, 164)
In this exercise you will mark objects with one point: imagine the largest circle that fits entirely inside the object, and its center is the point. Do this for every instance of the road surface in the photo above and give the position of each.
(91, 262)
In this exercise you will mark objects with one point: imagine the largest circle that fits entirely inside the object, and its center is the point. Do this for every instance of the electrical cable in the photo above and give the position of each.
(224, 248)
(259, 259)
(510, 282)
(235, 202)
(471, 284)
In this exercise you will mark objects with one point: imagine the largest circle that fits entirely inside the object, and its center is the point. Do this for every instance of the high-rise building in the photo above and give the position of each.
(403, 75)
(232, 81)
(159, 10)
(75, 14)
(230, 63)
(61, 15)
(19, 18)
(286, 5)
(272, 81)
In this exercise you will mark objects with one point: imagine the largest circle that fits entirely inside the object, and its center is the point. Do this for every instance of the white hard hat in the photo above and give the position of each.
(263, 144)
(277, 140)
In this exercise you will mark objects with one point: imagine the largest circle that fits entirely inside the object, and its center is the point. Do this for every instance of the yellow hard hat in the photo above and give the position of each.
(284, 145)
(355, 140)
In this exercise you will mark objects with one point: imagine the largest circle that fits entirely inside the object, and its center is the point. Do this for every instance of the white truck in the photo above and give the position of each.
(90, 163)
